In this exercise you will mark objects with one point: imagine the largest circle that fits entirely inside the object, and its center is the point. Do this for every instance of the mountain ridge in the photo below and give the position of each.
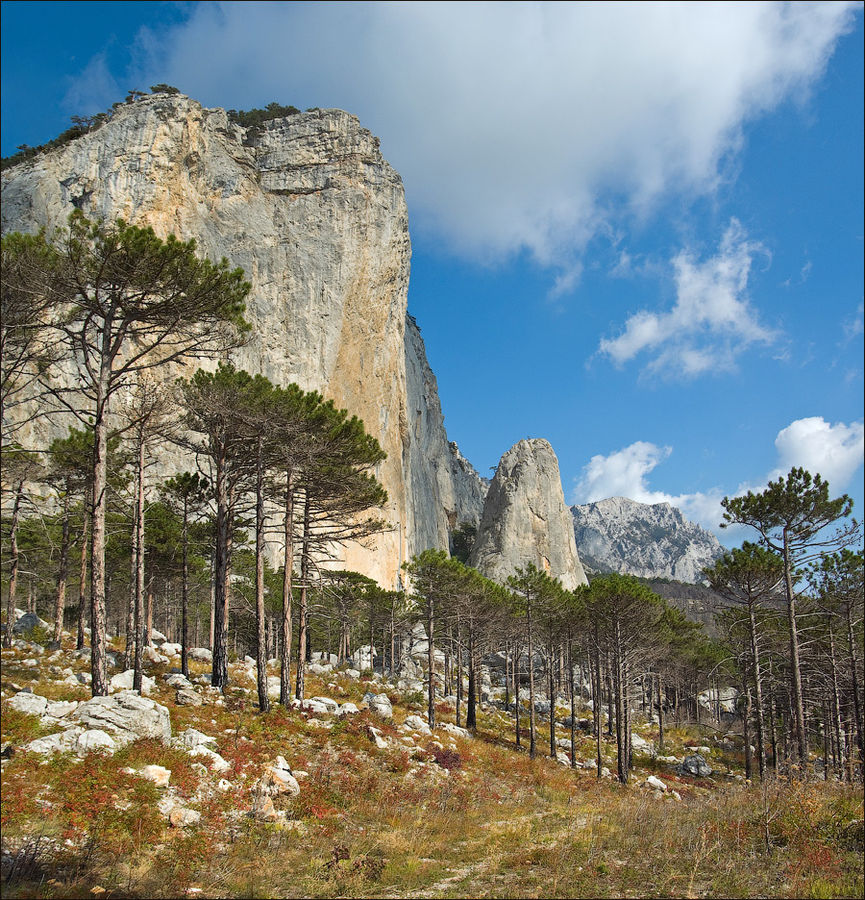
(647, 540)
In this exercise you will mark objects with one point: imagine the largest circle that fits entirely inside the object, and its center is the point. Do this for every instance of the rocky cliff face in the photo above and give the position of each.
(525, 519)
(444, 482)
(317, 219)
(651, 541)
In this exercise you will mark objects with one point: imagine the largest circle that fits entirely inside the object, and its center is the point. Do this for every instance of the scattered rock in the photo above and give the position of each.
(347, 709)
(455, 729)
(640, 744)
(263, 809)
(216, 762)
(159, 775)
(416, 723)
(318, 668)
(181, 817)
(94, 739)
(379, 704)
(376, 737)
(126, 716)
(655, 783)
(28, 622)
(191, 738)
(28, 702)
(58, 709)
(331, 705)
(62, 742)
(277, 780)
(187, 696)
(201, 654)
(694, 765)
(122, 681)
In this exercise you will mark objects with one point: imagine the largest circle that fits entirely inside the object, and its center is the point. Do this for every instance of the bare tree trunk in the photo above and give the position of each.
(13, 564)
(471, 711)
(626, 702)
(261, 643)
(129, 650)
(82, 576)
(828, 744)
(573, 701)
(303, 636)
(137, 678)
(854, 678)
(459, 672)
(551, 690)
(212, 599)
(773, 732)
(621, 740)
(287, 572)
(758, 691)
(529, 636)
(98, 660)
(516, 668)
(596, 704)
(431, 707)
(746, 730)
(219, 676)
(610, 714)
(660, 715)
(795, 671)
(184, 596)
(507, 676)
(148, 636)
(835, 699)
(63, 571)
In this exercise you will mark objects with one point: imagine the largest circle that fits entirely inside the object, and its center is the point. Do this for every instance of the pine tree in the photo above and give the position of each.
(127, 302)
(790, 516)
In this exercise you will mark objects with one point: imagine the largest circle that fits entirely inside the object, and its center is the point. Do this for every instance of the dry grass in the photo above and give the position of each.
(483, 820)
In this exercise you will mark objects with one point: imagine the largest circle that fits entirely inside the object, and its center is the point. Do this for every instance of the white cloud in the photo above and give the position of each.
(711, 322)
(835, 451)
(515, 126)
(624, 474)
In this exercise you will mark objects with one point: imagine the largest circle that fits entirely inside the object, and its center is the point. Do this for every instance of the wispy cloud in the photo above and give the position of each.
(624, 473)
(711, 322)
(854, 325)
(515, 126)
(835, 451)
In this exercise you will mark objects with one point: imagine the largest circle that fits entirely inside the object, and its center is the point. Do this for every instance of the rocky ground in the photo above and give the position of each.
(186, 791)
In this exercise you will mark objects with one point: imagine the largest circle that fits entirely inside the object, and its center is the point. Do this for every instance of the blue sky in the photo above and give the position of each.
(637, 229)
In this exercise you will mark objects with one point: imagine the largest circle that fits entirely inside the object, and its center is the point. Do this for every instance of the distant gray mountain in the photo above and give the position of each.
(647, 540)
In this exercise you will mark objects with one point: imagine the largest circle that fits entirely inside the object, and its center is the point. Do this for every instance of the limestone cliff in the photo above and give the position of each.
(444, 482)
(316, 217)
(648, 540)
(525, 519)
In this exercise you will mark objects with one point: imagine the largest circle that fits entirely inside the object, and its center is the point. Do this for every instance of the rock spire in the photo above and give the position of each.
(525, 519)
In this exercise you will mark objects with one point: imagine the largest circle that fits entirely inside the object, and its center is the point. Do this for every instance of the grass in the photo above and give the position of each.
(441, 817)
